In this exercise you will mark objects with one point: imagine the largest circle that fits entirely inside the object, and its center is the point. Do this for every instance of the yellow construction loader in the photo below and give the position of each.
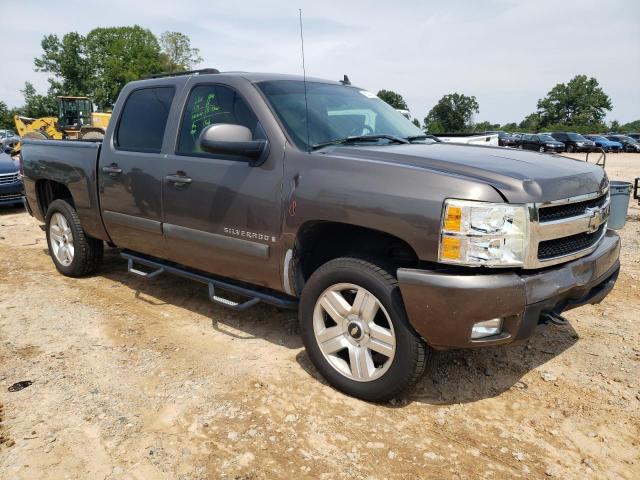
(75, 121)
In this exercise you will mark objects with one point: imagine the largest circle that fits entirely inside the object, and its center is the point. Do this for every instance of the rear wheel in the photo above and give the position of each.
(541, 149)
(356, 332)
(73, 252)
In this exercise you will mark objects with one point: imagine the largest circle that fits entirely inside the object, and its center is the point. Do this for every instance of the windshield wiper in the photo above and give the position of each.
(360, 138)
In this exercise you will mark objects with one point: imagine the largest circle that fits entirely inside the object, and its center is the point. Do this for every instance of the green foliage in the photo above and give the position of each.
(99, 64)
(452, 113)
(66, 59)
(177, 53)
(394, 99)
(6, 117)
(416, 122)
(484, 126)
(118, 55)
(36, 105)
(581, 101)
(631, 127)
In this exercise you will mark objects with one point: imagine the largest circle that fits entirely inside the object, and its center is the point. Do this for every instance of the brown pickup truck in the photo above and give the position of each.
(317, 195)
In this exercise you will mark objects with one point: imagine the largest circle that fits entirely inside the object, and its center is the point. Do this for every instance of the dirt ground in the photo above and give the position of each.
(136, 379)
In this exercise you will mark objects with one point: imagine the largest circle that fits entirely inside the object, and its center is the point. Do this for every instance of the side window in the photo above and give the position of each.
(211, 104)
(143, 119)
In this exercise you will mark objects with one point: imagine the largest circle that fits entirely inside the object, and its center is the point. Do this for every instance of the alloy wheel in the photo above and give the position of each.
(354, 332)
(61, 239)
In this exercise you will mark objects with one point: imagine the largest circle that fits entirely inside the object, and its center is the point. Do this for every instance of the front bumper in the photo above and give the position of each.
(443, 307)
(11, 194)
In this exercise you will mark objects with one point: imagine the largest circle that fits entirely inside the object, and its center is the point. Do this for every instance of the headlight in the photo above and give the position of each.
(551, 144)
(482, 233)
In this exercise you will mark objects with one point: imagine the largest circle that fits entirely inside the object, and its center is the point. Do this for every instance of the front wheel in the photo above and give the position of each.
(73, 252)
(569, 148)
(355, 330)
(541, 149)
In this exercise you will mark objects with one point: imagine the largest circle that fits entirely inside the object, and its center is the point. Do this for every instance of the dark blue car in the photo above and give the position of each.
(605, 144)
(10, 181)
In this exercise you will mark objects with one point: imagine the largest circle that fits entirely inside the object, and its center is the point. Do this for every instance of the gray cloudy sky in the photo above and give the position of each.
(507, 53)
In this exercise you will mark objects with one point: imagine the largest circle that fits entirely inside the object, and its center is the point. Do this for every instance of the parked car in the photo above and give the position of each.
(387, 245)
(10, 181)
(6, 134)
(573, 142)
(516, 139)
(628, 144)
(540, 142)
(635, 136)
(504, 138)
(605, 144)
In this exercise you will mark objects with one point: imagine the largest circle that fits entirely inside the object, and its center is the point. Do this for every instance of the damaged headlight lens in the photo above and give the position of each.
(483, 234)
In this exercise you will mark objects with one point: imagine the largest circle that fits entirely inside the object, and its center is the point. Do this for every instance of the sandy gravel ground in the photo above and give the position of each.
(137, 379)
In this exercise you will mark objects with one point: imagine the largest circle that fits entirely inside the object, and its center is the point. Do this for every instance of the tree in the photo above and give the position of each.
(416, 122)
(394, 99)
(630, 127)
(485, 126)
(177, 53)
(581, 101)
(452, 113)
(615, 126)
(509, 127)
(66, 60)
(6, 120)
(118, 55)
(36, 105)
(99, 64)
(531, 123)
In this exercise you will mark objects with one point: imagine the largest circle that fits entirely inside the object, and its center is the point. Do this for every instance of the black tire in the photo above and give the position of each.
(88, 251)
(569, 148)
(411, 353)
(541, 149)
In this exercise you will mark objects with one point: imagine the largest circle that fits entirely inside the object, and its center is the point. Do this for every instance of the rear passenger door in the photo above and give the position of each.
(131, 171)
(220, 214)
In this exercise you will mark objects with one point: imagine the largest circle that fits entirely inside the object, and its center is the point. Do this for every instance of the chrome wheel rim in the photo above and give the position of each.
(354, 332)
(61, 239)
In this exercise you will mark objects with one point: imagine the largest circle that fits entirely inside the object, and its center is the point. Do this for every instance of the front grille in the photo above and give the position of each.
(560, 212)
(559, 247)
(8, 178)
(10, 196)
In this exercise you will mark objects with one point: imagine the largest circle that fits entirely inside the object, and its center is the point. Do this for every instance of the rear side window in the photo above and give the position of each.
(144, 118)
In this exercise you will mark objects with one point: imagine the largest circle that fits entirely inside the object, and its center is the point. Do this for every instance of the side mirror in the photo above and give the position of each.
(235, 140)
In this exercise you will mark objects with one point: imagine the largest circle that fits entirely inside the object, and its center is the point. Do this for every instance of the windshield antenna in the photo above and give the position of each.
(304, 81)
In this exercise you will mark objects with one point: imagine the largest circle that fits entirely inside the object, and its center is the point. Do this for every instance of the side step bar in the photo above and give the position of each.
(253, 296)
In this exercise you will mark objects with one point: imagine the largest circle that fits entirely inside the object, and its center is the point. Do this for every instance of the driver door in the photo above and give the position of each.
(222, 215)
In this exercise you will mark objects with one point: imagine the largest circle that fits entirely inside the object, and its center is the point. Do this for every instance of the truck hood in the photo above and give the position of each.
(520, 176)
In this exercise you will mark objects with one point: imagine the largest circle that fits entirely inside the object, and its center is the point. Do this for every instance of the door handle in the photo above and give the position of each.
(179, 179)
(112, 170)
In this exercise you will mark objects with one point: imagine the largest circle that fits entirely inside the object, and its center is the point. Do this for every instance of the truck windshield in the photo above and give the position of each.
(335, 112)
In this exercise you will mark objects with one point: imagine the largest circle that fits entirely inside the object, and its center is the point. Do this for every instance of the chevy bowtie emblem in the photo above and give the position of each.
(597, 217)
(354, 331)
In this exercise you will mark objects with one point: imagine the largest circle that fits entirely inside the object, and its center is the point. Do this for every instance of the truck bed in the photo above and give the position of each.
(72, 163)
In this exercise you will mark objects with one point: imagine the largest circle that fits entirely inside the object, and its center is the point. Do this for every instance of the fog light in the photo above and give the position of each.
(486, 328)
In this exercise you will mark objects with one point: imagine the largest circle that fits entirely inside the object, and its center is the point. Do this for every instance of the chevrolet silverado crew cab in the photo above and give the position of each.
(317, 195)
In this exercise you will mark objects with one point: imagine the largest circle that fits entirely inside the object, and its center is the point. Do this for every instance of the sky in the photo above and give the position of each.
(507, 53)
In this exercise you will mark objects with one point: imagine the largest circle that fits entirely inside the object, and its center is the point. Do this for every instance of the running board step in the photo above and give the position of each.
(253, 296)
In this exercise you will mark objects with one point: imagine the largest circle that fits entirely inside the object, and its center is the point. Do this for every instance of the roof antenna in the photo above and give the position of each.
(345, 80)
(304, 81)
